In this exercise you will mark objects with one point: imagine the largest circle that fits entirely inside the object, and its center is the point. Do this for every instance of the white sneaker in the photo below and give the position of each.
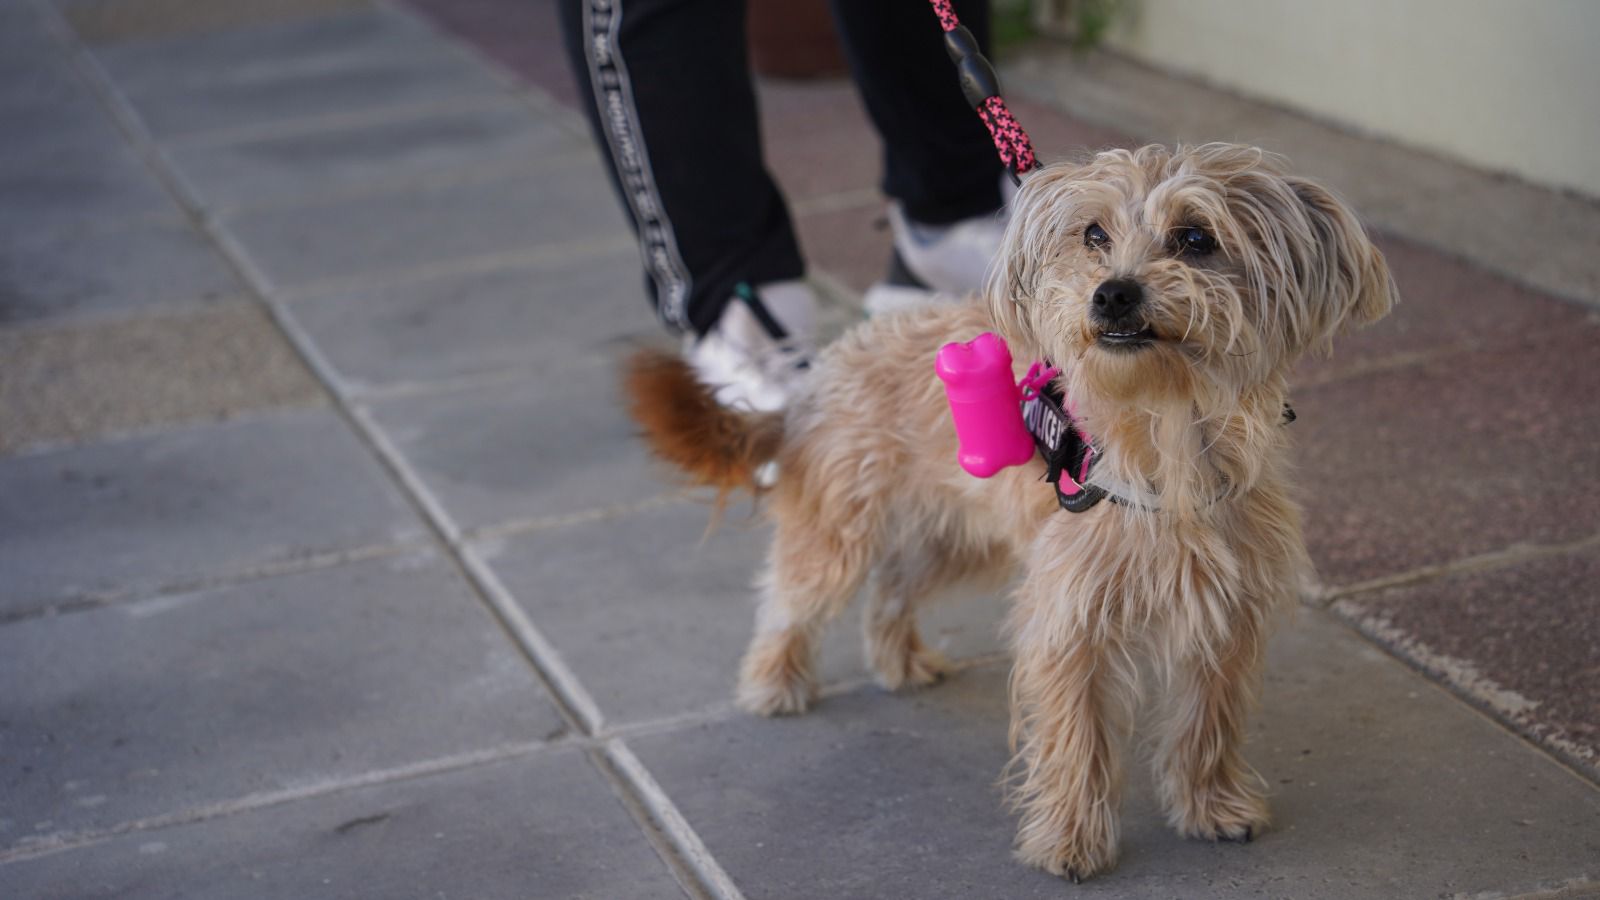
(756, 355)
(938, 263)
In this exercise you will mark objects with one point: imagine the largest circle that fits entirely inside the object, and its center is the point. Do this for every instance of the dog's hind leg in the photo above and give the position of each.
(810, 577)
(906, 580)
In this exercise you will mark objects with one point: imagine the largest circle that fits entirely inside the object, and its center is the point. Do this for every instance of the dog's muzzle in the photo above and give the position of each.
(1117, 308)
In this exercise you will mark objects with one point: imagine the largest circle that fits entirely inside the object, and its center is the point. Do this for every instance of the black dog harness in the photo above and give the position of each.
(1069, 455)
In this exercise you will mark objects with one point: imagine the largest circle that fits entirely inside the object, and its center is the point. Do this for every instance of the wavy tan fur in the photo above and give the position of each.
(869, 483)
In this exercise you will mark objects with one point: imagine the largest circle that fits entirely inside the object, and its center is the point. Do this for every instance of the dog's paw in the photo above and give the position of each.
(910, 667)
(775, 676)
(1236, 816)
(776, 698)
(1070, 846)
(1072, 860)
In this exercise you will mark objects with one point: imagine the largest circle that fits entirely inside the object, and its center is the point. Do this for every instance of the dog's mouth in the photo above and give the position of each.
(1124, 338)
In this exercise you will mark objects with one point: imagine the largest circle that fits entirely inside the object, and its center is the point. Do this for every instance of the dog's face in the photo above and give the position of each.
(1156, 273)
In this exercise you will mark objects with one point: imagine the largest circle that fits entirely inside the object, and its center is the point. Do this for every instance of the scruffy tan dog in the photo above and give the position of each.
(1175, 290)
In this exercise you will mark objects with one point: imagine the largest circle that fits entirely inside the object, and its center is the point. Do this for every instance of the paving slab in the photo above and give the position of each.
(1446, 306)
(33, 71)
(307, 164)
(850, 243)
(537, 318)
(1381, 788)
(1454, 456)
(58, 114)
(562, 200)
(55, 188)
(116, 20)
(528, 449)
(817, 137)
(523, 37)
(542, 826)
(296, 96)
(1523, 639)
(183, 701)
(48, 274)
(195, 502)
(349, 38)
(658, 629)
(81, 381)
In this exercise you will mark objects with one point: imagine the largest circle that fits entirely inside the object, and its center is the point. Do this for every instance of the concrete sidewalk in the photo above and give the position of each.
(329, 568)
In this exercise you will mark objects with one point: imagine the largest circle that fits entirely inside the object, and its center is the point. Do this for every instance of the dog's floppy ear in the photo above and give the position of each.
(1344, 279)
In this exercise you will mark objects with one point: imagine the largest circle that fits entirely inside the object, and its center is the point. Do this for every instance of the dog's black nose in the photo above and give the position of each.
(1115, 299)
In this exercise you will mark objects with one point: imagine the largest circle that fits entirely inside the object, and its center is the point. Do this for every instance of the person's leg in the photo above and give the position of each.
(667, 91)
(938, 160)
(940, 167)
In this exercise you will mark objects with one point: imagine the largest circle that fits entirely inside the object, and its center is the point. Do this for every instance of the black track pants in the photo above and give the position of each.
(667, 89)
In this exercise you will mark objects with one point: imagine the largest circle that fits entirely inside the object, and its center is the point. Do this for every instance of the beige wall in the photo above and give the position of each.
(1510, 85)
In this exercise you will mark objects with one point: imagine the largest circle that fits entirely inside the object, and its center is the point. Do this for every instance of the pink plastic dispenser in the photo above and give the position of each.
(985, 402)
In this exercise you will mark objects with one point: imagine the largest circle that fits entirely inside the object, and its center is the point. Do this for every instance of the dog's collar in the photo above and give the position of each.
(1070, 455)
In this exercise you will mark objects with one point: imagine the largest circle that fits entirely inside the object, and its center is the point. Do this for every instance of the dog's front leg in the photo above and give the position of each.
(1208, 789)
(1071, 691)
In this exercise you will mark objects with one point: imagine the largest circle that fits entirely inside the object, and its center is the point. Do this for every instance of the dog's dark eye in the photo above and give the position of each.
(1194, 242)
(1095, 236)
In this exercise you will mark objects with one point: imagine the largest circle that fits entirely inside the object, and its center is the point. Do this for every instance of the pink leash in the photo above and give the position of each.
(982, 89)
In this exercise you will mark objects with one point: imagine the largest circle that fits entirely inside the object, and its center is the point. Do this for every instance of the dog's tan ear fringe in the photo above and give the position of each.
(684, 425)
(1353, 272)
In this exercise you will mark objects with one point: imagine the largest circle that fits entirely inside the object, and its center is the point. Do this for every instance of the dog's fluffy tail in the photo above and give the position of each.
(683, 424)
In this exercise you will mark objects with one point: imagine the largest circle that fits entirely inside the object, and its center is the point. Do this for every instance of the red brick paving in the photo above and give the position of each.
(1467, 422)
(1534, 626)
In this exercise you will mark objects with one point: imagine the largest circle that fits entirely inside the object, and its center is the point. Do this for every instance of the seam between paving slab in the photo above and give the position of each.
(61, 842)
(669, 834)
(326, 123)
(536, 97)
(1459, 678)
(1460, 681)
(296, 565)
(1494, 559)
(531, 257)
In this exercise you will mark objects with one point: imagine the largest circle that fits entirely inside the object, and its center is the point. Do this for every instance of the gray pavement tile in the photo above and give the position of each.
(557, 200)
(59, 119)
(537, 317)
(271, 169)
(84, 380)
(55, 188)
(652, 614)
(36, 73)
(544, 826)
(51, 273)
(179, 702)
(527, 449)
(1382, 787)
(354, 37)
(116, 20)
(287, 97)
(199, 501)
